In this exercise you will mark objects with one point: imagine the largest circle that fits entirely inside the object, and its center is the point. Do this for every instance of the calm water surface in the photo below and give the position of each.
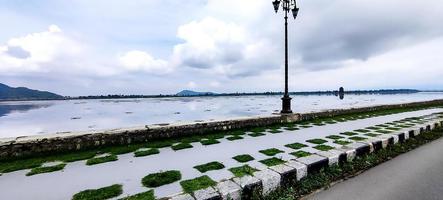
(44, 117)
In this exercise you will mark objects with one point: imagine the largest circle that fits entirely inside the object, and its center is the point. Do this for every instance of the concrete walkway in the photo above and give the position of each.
(415, 175)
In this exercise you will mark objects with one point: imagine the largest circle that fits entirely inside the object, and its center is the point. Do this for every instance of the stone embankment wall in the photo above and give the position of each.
(11, 148)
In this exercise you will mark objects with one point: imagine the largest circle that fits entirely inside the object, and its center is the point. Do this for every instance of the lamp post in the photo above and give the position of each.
(287, 6)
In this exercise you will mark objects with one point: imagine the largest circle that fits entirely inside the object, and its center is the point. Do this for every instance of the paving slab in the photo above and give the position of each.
(314, 162)
(270, 180)
(229, 190)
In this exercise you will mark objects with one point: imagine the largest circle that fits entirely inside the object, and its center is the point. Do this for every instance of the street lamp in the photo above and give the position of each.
(287, 6)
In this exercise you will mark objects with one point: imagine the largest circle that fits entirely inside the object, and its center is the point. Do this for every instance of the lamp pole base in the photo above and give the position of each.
(286, 105)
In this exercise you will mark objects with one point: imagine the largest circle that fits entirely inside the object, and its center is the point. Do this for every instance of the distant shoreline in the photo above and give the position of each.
(335, 93)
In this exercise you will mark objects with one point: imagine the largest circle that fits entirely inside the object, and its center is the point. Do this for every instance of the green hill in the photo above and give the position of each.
(22, 93)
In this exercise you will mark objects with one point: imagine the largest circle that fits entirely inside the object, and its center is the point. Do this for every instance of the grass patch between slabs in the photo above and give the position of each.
(334, 137)
(198, 183)
(243, 171)
(99, 194)
(272, 161)
(317, 141)
(271, 152)
(323, 147)
(296, 145)
(209, 167)
(161, 178)
(146, 152)
(207, 142)
(41, 170)
(100, 160)
(149, 195)
(300, 154)
(243, 158)
(181, 146)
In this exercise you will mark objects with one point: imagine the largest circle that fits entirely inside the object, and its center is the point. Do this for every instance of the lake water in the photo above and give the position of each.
(21, 118)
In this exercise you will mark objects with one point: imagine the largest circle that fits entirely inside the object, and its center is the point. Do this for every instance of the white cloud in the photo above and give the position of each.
(142, 61)
(39, 50)
(191, 85)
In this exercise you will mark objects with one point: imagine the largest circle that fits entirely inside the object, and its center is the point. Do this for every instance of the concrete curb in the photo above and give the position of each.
(265, 181)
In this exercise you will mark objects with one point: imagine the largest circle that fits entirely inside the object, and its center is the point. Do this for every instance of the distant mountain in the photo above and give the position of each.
(22, 93)
(185, 93)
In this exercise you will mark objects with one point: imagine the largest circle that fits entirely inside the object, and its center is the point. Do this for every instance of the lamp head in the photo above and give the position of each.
(276, 4)
(295, 12)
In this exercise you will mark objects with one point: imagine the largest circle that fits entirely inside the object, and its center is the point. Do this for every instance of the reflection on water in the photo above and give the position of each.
(42, 117)
(6, 109)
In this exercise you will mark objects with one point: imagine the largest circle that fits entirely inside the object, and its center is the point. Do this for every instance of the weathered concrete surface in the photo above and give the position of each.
(229, 190)
(314, 162)
(270, 180)
(415, 175)
(302, 169)
(68, 142)
(181, 197)
(250, 186)
(334, 156)
(207, 194)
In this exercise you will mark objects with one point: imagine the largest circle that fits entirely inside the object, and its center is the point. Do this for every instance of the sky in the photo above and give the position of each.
(100, 47)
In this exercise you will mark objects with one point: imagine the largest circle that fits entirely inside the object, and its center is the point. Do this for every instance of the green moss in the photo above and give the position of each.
(149, 195)
(243, 171)
(99, 160)
(207, 142)
(160, 144)
(272, 161)
(334, 137)
(209, 167)
(237, 132)
(373, 128)
(41, 170)
(161, 178)
(349, 133)
(181, 146)
(99, 194)
(372, 134)
(357, 138)
(243, 158)
(195, 184)
(256, 134)
(271, 152)
(342, 142)
(317, 141)
(146, 152)
(235, 137)
(292, 128)
(275, 131)
(362, 131)
(393, 128)
(383, 131)
(323, 147)
(258, 129)
(300, 154)
(296, 145)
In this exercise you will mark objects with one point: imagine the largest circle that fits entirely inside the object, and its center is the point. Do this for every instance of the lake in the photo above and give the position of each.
(22, 118)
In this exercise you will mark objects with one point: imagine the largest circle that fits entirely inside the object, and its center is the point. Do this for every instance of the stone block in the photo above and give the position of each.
(288, 174)
(386, 140)
(250, 186)
(207, 194)
(349, 151)
(183, 196)
(314, 162)
(270, 180)
(360, 148)
(334, 156)
(302, 169)
(229, 190)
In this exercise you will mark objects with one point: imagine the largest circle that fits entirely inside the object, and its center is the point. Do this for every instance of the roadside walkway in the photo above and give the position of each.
(415, 175)
(129, 170)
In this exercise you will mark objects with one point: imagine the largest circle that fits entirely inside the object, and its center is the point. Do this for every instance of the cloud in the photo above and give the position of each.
(142, 61)
(34, 52)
